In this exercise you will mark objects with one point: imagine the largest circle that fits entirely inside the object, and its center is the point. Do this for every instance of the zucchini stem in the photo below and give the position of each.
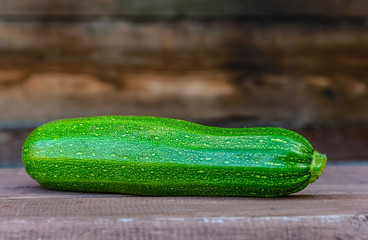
(317, 166)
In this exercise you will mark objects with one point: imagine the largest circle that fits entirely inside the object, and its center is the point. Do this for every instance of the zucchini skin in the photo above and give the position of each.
(169, 157)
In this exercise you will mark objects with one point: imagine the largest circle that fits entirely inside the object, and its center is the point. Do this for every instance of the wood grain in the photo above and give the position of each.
(335, 206)
(285, 63)
(202, 70)
(201, 8)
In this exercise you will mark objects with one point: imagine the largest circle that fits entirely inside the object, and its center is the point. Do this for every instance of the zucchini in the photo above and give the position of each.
(169, 157)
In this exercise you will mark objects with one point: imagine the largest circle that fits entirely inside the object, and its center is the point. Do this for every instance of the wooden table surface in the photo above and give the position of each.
(334, 207)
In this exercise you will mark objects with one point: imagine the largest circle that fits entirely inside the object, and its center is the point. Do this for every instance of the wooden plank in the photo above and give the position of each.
(181, 8)
(335, 206)
(191, 70)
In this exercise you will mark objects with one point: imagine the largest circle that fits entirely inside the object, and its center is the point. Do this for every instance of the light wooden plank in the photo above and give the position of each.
(335, 206)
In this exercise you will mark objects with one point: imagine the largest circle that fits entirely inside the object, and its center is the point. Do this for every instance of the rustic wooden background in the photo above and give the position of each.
(296, 64)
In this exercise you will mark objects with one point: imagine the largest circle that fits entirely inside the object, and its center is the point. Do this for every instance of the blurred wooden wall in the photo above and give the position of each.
(297, 64)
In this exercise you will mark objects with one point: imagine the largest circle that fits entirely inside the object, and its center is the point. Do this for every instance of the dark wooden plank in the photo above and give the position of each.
(335, 206)
(166, 8)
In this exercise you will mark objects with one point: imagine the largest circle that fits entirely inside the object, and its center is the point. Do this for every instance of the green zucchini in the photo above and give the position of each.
(169, 157)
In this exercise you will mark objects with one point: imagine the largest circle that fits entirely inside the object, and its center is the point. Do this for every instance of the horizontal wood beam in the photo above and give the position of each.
(203, 70)
(175, 8)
